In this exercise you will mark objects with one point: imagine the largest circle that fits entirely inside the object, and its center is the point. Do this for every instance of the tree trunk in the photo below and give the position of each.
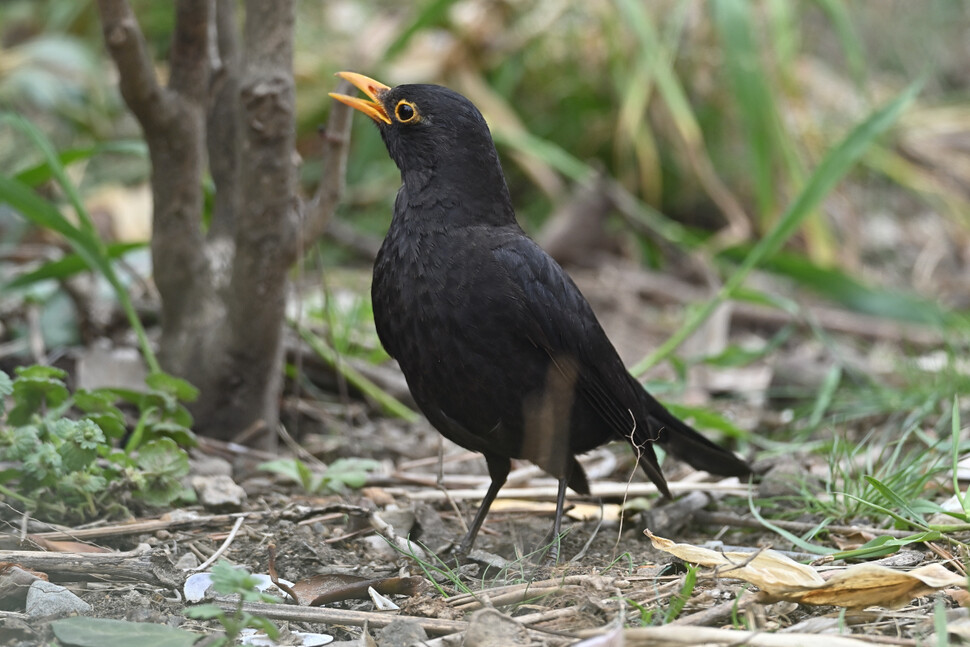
(223, 290)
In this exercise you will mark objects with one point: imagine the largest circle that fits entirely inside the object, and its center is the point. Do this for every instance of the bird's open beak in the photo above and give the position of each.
(373, 89)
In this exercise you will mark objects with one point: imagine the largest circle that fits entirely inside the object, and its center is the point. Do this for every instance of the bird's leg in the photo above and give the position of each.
(557, 524)
(498, 469)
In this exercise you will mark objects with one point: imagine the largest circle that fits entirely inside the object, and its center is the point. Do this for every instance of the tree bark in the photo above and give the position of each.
(231, 109)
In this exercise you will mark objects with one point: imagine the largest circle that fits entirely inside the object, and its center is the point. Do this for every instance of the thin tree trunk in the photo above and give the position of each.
(224, 291)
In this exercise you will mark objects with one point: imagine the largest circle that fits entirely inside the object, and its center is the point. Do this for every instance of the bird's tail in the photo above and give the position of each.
(681, 440)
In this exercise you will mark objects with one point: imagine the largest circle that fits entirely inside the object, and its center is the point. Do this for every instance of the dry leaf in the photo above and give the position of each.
(865, 585)
(576, 512)
(781, 578)
(67, 546)
(768, 570)
(851, 541)
(326, 588)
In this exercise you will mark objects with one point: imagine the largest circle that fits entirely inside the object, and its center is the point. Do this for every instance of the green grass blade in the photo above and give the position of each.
(83, 238)
(577, 171)
(434, 12)
(794, 539)
(67, 266)
(848, 291)
(838, 13)
(659, 63)
(42, 213)
(678, 601)
(354, 377)
(955, 443)
(755, 100)
(43, 172)
(886, 545)
(890, 495)
(889, 513)
(836, 164)
(825, 395)
(57, 170)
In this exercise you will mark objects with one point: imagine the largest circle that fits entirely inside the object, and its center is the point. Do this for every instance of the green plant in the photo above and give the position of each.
(233, 580)
(83, 237)
(678, 601)
(59, 449)
(337, 477)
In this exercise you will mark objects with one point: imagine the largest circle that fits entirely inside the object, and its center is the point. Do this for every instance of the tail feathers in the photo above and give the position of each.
(685, 443)
(647, 460)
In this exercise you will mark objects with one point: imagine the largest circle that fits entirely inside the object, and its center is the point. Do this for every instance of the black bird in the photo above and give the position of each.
(501, 351)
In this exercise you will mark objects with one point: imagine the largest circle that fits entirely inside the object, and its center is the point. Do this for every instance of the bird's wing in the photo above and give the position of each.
(556, 317)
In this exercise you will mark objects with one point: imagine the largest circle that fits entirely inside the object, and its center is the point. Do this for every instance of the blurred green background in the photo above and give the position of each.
(711, 116)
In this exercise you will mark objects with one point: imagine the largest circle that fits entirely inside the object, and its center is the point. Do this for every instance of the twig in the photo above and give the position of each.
(134, 566)
(341, 616)
(225, 545)
(673, 635)
(514, 593)
(145, 526)
(716, 614)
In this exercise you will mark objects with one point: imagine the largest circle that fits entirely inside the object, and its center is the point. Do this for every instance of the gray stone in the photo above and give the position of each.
(489, 628)
(47, 599)
(219, 492)
(401, 633)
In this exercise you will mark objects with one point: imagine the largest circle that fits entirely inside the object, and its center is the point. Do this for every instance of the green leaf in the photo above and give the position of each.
(75, 458)
(228, 580)
(81, 631)
(99, 407)
(6, 388)
(848, 291)
(176, 386)
(794, 539)
(162, 466)
(182, 435)
(35, 388)
(291, 468)
(902, 504)
(886, 545)
(349, 472)
(205, 612)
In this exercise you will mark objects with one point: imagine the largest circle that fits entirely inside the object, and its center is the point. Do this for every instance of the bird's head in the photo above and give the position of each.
(438, 138)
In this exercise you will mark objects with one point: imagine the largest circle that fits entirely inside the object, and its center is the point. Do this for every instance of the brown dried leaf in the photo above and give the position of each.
(333, 587)
(865, 585)
(768, 570)
(781, 578)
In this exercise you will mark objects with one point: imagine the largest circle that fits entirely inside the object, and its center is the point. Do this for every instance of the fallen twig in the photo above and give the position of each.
(376, 619)
(135, 566)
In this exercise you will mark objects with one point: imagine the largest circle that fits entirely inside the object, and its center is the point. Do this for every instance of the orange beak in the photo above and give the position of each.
(374, 91)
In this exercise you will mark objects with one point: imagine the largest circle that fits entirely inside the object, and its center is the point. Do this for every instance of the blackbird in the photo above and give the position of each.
(501, 351)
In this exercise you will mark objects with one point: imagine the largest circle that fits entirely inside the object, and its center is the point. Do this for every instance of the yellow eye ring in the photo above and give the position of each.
(405, 111)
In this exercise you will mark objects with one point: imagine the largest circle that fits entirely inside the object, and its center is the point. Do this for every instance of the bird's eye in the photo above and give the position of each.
(405, 111)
